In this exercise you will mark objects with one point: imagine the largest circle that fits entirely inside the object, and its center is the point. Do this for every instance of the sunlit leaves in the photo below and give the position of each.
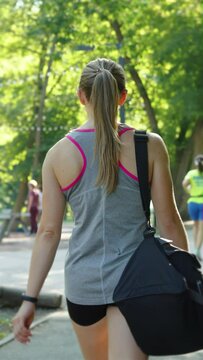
(161, 38)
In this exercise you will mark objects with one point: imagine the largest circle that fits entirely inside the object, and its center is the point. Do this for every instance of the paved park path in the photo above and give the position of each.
(53, 337)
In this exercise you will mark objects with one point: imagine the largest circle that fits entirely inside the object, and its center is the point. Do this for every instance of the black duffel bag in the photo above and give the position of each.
(160, 292)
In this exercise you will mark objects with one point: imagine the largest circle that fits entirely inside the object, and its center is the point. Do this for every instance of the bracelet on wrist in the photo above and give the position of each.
(29, 298)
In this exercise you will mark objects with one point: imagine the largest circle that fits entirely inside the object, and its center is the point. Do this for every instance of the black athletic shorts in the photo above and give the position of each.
(86, 315)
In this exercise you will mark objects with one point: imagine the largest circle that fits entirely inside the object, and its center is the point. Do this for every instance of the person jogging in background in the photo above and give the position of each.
(193, 185)
(93, 168)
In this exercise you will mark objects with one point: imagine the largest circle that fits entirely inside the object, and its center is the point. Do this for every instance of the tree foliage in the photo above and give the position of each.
(44, 46)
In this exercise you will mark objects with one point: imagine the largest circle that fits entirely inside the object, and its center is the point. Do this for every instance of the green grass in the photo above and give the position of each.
(5, 327)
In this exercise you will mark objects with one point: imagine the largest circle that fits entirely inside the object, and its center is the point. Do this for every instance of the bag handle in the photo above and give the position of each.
(141, 154)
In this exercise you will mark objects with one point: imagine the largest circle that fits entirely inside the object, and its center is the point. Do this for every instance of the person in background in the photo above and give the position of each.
(93, 168)
(193, 185)
(33, 203)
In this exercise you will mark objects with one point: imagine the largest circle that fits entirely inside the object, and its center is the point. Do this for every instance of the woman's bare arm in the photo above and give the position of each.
(45, 246)
(49, 232)
(168, 219)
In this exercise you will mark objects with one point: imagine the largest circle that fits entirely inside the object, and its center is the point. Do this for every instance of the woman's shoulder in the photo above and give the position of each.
(155, 138)
(58, 145)
(64, 141)
(157, 148)
(156, 141)
(61, 149)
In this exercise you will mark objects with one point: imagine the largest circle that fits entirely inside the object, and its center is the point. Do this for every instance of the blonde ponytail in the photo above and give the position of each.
(103, 81)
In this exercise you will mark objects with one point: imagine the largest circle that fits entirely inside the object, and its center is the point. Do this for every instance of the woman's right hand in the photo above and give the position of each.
(22, 321)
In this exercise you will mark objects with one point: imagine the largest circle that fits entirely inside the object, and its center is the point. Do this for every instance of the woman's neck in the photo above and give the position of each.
(90, 117)
(89, 124)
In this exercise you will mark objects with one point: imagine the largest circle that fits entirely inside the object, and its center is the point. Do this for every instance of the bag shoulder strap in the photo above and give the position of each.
(141, 154)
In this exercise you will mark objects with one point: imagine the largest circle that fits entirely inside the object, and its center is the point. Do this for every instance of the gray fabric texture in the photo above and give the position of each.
(107, 230)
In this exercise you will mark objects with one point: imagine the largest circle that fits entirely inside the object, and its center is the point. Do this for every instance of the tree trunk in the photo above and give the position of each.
(183, 162)
(38, 111)
(198, 139)
(147, 103)
(138, 81)
(22, 194)
(40, 108)
(19, 203)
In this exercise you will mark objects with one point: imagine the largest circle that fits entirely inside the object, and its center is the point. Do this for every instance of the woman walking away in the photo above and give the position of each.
(93, 169)
(193, 185)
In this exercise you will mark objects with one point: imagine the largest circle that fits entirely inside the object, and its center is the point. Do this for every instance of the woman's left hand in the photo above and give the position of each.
(22, 321)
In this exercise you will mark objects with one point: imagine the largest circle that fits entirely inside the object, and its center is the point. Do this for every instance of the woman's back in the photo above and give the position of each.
(108, 227)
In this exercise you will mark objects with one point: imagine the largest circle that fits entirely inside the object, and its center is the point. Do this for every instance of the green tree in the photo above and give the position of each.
(45, 45)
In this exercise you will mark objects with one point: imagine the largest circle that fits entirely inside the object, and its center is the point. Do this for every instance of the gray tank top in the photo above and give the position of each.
(107, 228)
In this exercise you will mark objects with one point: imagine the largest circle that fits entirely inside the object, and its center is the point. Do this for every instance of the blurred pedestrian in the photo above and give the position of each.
(33, 203)
(193, 185)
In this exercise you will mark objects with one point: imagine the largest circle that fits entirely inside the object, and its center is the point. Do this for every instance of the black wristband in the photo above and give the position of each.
(29, 298)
